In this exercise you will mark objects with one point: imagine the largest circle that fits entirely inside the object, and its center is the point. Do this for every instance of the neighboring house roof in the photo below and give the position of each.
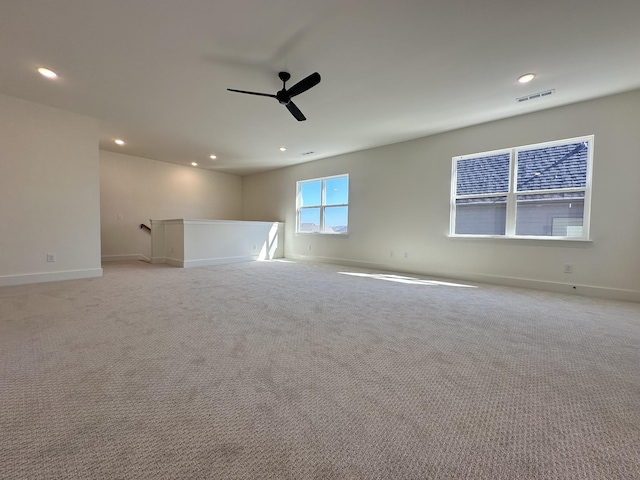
(483, 175)
(559, 166)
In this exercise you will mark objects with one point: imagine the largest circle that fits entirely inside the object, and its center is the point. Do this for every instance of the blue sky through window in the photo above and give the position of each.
(310, 215)
(337, 191)
(335, 217)
(310, 193)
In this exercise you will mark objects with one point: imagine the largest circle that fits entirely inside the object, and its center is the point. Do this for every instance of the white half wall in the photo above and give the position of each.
(134, 190)
(197, 243)
(49, 186)
(399, 201)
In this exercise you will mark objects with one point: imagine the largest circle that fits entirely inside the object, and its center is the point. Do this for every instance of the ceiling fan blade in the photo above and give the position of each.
(252, 93)
(295, 111)
(304, 84)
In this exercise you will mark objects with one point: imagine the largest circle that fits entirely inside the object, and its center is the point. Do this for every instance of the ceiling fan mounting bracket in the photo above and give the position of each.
(284, 76)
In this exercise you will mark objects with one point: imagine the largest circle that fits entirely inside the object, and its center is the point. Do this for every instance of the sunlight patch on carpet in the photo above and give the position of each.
(407, 280)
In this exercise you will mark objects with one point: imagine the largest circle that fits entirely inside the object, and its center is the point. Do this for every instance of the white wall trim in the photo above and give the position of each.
(204, 262)
(125, 258)
(28, 278)
(558, 287)
(176, 262)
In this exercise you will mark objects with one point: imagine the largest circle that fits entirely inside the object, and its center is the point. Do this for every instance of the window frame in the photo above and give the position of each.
(322, 206)
(512, 194)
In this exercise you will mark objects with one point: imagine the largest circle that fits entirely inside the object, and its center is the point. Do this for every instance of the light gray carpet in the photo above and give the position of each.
(274, 370)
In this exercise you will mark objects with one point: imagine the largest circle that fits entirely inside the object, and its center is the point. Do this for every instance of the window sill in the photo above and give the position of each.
(321, 234)
(521, 238)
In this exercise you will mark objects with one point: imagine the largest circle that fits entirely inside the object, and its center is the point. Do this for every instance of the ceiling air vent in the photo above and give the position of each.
(307, 153)
(536, 96)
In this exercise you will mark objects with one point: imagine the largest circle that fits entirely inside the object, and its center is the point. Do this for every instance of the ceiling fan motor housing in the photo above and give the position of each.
(283, 97)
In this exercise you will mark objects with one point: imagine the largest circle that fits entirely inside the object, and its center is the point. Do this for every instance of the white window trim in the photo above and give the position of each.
(322, 206)
(512, 194)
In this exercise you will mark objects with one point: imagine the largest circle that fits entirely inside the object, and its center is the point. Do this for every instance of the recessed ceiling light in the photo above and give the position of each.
(212, 157)
(283, 149)
(526, 78)
(119, 141)
(45, 72)
(195, 164)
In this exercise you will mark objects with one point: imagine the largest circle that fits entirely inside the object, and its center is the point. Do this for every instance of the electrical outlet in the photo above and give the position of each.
(568, 268)
(309, 247)
(406, 254)
(391, 253)
(51, 257)
(120, 216)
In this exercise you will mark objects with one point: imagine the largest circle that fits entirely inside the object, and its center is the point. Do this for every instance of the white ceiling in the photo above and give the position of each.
(155, 72)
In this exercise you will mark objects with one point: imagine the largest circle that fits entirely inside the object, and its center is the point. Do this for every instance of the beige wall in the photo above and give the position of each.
(134, 190)
(399, 201)
(49, 190)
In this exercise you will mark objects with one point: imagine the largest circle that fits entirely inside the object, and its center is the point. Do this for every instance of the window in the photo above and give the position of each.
(538, 191)
(322, 205)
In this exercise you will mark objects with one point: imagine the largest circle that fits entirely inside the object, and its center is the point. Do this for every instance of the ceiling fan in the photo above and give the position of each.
(284, 96)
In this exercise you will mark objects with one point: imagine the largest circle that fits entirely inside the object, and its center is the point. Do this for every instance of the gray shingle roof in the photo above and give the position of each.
(562, 166)
(483, 175)
(559, 166)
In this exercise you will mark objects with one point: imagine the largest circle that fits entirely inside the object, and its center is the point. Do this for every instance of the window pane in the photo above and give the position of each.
(555, 215)
(310, 193)
(337, 191)
(481, 216)
(559, 166)
(335, 219)
(483, 175)
(309, 220)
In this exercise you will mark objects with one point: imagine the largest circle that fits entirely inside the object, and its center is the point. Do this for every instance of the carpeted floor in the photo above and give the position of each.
(283, 370)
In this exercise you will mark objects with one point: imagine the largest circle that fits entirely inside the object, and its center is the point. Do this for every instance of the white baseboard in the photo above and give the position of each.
(125, 258)
(170, 261)
(586, 290)
(27, 278)
(205, 262)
